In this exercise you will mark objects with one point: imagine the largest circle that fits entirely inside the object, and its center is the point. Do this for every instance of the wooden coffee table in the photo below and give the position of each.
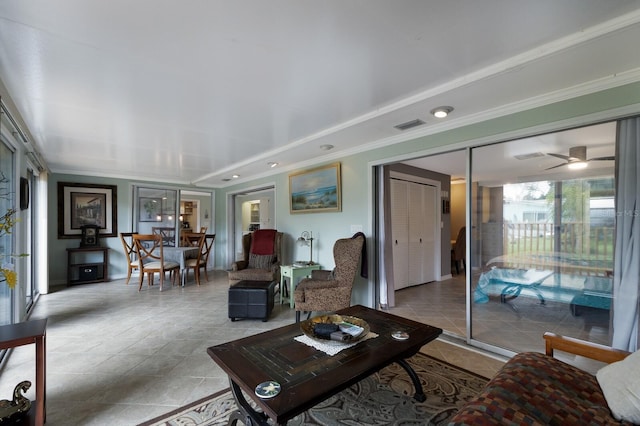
(309, 376)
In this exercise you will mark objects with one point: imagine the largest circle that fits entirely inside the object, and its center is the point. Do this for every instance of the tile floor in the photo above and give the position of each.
(515, 326)
(116, 356)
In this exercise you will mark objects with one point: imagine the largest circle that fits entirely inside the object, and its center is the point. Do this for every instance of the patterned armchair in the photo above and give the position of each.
(331, 290)
(262, 255)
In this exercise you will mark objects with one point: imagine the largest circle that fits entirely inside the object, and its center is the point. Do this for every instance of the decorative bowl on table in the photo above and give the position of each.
(308, 326)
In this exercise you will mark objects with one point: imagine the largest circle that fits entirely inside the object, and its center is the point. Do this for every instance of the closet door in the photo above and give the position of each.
(422, 232)
(416, 233)
(400, 233)
(429, 229)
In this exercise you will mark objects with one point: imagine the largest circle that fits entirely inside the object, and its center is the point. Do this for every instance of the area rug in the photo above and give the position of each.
(381, 399)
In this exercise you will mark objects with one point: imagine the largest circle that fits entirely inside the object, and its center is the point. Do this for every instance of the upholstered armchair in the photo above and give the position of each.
(331, 290)
(262, 255)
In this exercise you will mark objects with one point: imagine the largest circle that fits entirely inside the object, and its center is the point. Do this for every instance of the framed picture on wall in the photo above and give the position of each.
(81, 204)
(316, 190)
(150, 209)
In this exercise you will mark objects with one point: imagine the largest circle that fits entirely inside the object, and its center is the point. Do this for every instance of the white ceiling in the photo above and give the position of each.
(193, 92)
(528, 159)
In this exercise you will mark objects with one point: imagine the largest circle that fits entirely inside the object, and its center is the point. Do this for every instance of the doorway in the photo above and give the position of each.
(414, 225)
(249, 211)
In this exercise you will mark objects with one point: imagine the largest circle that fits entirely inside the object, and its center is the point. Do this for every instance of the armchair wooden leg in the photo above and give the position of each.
(298, 315)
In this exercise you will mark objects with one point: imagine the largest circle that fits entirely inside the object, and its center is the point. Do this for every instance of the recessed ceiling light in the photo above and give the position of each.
(442, 111)
(326, 147)
(235, 176)
(272, 164)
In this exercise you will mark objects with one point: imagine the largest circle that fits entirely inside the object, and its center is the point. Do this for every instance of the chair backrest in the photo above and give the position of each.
(346, 254)
(129, 246)
(149, 247)
(206, 248)
(168, 235)
(195, 239)
(460, 249)
(262, 241)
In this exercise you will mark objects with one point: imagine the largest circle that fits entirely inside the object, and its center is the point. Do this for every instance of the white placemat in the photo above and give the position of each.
(331, 347)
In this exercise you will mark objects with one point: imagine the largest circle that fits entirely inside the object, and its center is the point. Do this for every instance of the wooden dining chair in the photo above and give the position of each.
(206, 251)
(130, 253)
(168, 235)
(196, 240)
(150, 253)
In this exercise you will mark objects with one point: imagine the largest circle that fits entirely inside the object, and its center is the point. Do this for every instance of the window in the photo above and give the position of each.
(157, 213)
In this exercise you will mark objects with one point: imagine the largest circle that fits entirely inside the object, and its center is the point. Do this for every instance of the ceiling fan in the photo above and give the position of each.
(577, 158)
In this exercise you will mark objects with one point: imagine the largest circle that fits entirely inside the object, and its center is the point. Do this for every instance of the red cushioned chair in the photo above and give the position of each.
(262, 254)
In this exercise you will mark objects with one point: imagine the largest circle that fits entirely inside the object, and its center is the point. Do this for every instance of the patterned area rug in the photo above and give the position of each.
(382, 399)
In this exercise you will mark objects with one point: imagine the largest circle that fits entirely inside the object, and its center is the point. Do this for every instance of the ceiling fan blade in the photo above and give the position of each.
(603, 159)
(564, 157)
(559, 165)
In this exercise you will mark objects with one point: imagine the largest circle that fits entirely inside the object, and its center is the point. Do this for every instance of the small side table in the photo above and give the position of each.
(292, 272)
(25, 333)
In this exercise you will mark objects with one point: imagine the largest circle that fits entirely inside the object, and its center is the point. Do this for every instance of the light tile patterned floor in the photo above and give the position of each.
(116, 356)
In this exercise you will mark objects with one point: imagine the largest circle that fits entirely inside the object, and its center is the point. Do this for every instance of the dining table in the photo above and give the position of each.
(180, 255)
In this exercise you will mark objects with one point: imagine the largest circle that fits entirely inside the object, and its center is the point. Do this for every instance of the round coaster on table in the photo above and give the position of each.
(268, 389)
(400, 335)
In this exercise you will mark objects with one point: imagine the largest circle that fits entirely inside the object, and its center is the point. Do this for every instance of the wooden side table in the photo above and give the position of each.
(292, 272)
(87, 265)
(26, 333)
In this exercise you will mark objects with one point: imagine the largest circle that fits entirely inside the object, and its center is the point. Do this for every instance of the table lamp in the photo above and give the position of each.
(307, 238)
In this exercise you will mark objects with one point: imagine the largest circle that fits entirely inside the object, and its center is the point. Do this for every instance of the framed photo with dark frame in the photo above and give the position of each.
(317, 190)
(81, 204)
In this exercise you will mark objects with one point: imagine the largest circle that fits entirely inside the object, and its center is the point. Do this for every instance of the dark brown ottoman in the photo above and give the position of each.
(251, 299)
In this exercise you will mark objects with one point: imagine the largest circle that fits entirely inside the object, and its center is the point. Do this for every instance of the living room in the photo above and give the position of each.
(510, 111)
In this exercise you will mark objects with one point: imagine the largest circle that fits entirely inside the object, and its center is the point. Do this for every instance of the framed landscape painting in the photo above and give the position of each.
(316, 190)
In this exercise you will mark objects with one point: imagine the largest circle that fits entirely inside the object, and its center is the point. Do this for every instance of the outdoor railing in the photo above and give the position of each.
(590, 248)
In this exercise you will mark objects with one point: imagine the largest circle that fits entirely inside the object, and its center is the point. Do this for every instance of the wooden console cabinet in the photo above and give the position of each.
(87, 265)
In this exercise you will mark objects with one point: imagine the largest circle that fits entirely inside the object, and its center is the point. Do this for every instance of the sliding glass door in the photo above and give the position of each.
(7, 205)
(542, 237)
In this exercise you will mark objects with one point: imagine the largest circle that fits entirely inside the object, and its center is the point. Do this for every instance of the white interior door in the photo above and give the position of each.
(416, 233)
(400, 234)
(414, 224)
(429, 233)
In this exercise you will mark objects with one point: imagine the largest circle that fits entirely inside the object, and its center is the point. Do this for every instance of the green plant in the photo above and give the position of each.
(7, 222)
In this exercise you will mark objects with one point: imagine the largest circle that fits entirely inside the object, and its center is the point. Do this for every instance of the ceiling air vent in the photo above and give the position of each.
(409, 124)
(528, 156)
